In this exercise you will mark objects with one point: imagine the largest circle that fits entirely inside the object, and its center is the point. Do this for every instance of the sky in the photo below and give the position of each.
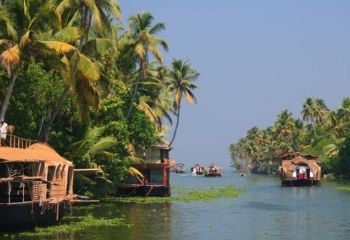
(255, 59)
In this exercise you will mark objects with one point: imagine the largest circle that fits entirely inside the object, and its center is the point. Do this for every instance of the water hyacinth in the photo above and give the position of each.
(186, 194)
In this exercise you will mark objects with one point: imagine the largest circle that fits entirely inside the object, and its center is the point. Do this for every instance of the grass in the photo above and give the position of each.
(185, 194)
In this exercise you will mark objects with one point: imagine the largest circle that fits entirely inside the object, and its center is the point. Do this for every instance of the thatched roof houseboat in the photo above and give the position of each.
(213, 171)
(155, 171)
(35, 183)
(299, 169)
(180, 168)
(197, 169)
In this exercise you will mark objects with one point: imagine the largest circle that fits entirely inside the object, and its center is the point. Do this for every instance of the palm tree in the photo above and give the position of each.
(308, 109)
(182, 76)
(90, 12)
(142, 33)
(23, 41)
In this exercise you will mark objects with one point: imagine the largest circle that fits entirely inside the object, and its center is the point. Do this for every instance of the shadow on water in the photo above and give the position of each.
(264, 211)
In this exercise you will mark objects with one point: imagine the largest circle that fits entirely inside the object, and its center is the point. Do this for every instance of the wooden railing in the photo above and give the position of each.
(16, 142)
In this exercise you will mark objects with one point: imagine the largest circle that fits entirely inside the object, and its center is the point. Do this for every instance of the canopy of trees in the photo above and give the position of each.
(72, 75)
(320, 131)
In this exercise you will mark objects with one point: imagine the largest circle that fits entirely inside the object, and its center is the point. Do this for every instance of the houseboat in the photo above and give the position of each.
(298, 169)
(35, 183)
(180, 168)
(213, 171)
(197, 170)
(155, 171)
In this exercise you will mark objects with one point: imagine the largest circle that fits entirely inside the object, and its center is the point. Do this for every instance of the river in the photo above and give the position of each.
(265, 210)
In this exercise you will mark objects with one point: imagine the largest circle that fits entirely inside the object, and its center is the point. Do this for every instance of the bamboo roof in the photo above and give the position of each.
(35, 152)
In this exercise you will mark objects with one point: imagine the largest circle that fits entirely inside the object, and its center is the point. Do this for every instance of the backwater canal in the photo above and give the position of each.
(265, 210)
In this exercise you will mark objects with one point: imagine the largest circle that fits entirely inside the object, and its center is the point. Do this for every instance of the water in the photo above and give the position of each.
(264, 211)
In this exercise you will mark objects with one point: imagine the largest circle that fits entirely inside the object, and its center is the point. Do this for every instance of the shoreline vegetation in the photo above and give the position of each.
(320, 131)
(93, 86)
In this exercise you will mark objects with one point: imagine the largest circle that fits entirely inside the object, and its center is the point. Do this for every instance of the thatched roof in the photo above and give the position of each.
(300, 161)
(291, 155)
(35, 152)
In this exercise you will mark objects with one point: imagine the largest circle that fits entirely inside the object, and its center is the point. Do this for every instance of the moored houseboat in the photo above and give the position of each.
(197, 169)
(180, 168)
(35, 183)
(213, 171)
(155, 171)
(298, 169)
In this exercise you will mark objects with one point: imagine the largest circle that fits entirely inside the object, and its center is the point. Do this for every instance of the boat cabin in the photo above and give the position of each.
(299, 169)
(35, 183)
(155, 169)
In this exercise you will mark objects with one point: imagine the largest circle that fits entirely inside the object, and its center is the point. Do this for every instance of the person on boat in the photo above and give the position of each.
(3, 130)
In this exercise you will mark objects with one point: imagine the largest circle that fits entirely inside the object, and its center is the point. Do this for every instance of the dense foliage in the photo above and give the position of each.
(320, 131)
(72, 75)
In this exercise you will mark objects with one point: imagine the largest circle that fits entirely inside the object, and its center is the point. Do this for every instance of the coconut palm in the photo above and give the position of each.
(25, 40)
(182, 76)
(82, 85)
(142, 34)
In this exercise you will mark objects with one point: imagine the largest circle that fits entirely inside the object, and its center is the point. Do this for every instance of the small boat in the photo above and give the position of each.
(213, 171)
(180, 168)
(197, 170)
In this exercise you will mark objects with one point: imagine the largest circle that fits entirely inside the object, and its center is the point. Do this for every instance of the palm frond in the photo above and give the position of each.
(58, 47)
(10, 58)
(88, 68)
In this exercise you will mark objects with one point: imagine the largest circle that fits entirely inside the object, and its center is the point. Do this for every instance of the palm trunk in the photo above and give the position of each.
(8, 94)
(142, 75)
(176, 126)
(44, 133)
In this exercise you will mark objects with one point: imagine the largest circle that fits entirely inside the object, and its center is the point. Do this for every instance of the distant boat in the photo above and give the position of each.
(213, 171)
(197, 170)
(180, 168)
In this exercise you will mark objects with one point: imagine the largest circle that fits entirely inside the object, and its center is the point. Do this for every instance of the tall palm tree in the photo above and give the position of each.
(24, 40)
(142, 33)
(90, 13)
(308, 109)
(182, 76)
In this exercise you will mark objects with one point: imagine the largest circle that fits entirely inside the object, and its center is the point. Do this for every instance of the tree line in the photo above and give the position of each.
(72, 75)
(320, 131)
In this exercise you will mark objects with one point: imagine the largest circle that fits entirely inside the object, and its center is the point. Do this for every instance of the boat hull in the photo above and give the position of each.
(299, 182)
(30, 214)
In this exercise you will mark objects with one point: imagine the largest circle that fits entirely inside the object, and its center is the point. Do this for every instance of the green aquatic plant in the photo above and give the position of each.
(75, 224)
(343, 188)
(185, 194)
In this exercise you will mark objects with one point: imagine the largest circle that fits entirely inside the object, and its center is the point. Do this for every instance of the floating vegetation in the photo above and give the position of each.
(343, 188)
(185, 194)
(75, 224)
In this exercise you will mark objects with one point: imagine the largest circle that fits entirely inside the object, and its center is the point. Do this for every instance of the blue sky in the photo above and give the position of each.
(256, 58)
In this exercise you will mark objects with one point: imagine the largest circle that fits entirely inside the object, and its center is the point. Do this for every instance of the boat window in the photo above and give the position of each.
(156, 176)
(131, 180)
